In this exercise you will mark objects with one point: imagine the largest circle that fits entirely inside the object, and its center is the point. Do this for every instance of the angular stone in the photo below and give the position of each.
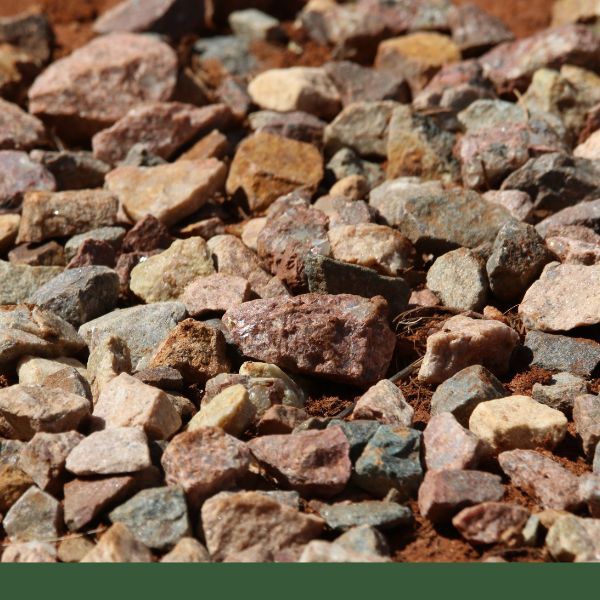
(459, 280)
(574, 11)
(293, 394)
(586, 415)
(73, 169)
(584, 214)
(543, 478)
(384, 515)
(463, 342)
(29, 31)
(71, 381)
(72, 549)
(384, 402)
(268, 166)
(85, 92)
(93, 253)
(574, 539)
(390, 461)
(444, 493)
(569, 250)
(118, 545)
(146, 235)
(561, 392)
(319, 551)
(108, 358)
(358, 433)
(35, 516)
(215, 293)
(13, 484)
(491, 522)
(254, 24)
(110, 452)
(35, 371)
(296, 125)
(18, 282)
(79, 295)
(346, 162)
(229, 53)
(204, 462)
(308, 89)
(517, 203)
(589, 492)
(43, 459)
(10, 451)
(589, 149)
(19, 130)
(29, 552)
(285, 339)
(48, 254)
(9, 227)
(187, 550)
(280, 419)
(111, 235)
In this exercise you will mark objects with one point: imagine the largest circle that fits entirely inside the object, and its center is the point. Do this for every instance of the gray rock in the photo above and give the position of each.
(561, 392)
(35, 516)
(589, 491)
(572, 538)
(363, 539)
(18, 282)
(596, 461)
(113, 235)
(10, 451)
(252, 24)
(487, 114)
(384, 402)
(357, 432)
(458, 278)
(157, 517)
(461, 393)
(230, 51)
(296, 125)
(385, 515)
(346, 162)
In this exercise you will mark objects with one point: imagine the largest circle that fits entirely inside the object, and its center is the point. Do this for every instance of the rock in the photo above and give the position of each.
(118, 545)
(36, 371)
(146, 235)
(573, 251)
(555, 181)
(215, 293)
(27, 409)
(29, 552)
(29, 31)
(10, 451)
(518, 257)
(94, 253)
(417, 56)
(561, 393)
(127, 402)
(111, 235)
(161, 128)
(488, 114)
(79, 295)
(384, 402)
(543, 478)
(73, 549)
(511, 65)
(589, 149)
(268, 166)
(293, 394)
(561, 353)
(353, 187)
(13, 484)
(17, 70)
(574, 539)
(586, 415)
(108, 358)
(517, 203)
(458, 278)
(358, 433)
(170, 192)
(573, 11)
(48, 254)
(284, 340)
(280, 419)
(491, 522)
(363, 539)
(9, 227)
(517, 422)
(35, 516)
(84, 92)
(204, 462)
(30, 330)
(197, 351)
(18, 282)
(47, 215)
(20, 130)
(169, 17)
(43, 459)
(308, 89)
(230, 53)
(445, 493)
(140, 156)
(586, 214)
(254, 24)
(110, 452)
(314, 463)
(213, 145)
(296, 125)
(187, 550)
(231, 410)
(328, 276)
(21, 175)
(448, 445)
(157, 517)
(589, 492)
(384, 515)
(71, 381)
(369, 245)
(463, 342)
(362, 127)
(390, 461)
(319, 551)
(346, 162)
(564, 297)
(132, 326)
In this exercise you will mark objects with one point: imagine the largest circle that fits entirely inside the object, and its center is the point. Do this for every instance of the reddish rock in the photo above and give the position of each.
(204, 462)
(281, 419)
(47, 255)
(296, 125)
(215, 293)
(93, 252)
(491, 522)
(99, 83)
(444, 493)
(384, 402)
(18, 129)
(543, 478)
(314, 463)
(147, 234)
(302, 335)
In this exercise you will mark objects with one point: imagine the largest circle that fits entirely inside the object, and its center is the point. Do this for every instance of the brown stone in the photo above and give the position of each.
(491, 522)
(13, 484)
(9, 227)
(18, 129)
(93, 252)
(213, 145)
(281, 419)
(147, 234)
(47, 255)
(384, 402)
(118, 545)
(215, 293)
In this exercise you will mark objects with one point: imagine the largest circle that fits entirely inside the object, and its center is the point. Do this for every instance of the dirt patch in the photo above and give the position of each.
(523, 381)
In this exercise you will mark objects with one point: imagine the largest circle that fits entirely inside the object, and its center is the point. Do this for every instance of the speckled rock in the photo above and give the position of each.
(385, 403)
(383, 515)
(187, 550)
(35, 516)
(13, 484)
(215, 293)
(572, 538)
(491, 522)
(586, 415)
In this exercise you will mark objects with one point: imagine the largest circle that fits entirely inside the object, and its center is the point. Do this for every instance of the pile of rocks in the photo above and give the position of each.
(198, 249)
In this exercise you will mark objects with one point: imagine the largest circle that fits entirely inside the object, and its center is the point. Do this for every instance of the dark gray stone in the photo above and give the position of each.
(385, 515)
(561, 392)
(358, 434)
(73, 170)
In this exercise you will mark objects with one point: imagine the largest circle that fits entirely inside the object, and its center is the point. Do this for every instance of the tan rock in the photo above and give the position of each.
(590, 149)
(215, 293)
(33, 370)
(9, 227)
(187, 550)
(251, 231)
(109, 357)
(385, 403)
(73, 548)
(13, 484)
(118, 545)
(29, 552)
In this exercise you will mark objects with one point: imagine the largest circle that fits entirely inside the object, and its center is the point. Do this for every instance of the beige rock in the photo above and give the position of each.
(251, 231)
(187, 550)
(29, 552)
(118, 545)
(293, 393)
(108, 358)
(307, 89)
(127, 402)
(231, 410)
(385, 403)
(320, 551)
(9, 227)
(169, 192)
(378, 247)
(73, 548)
(33, 370)
(215, 293)
(517, 422)
(352, 187)
(164, 276)
(590, 149)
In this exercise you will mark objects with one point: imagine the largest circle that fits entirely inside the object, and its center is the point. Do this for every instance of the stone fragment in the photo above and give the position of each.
(445, 493)
(10, 451)
(517, 203)
(29, 552)
(71, 381)
(561, 392)
(254, 24)
(165, 378)
(146, 235)
(319, 551)
(383, 515)
(296, 125)
(187, 550)
(18, 282)
(584, 214)
(517, 422)
(283, 338)
(110, 452)
(491, 522)
(572, 538)
(215, 293)
(169, 192)
(13, 484)
(280, 419)
(204, 462)
(229, 54)
(125, 401)
(293, 394)
(118, 545)
(384, 402)
(17, 69)
(29, 31)
(563, 298)
(346, 162)
(545, 479)
(268, 166)
(9, 227)
(48, 254)
(35, 516)
(574, 11)
(358, 433)
(589, 149)
(463, 342)
(110, 235)
(43, 459)
(19, 130)
(314, 463)
(93, 253)
(589, 492)
(73, 169)
(364, 539)
(459, 280)
(569, 250)
(47, 215)
(586, 415)
(85, 92)
(73, 548)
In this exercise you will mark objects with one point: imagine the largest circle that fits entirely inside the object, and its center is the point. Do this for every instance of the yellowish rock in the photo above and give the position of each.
(9, 226)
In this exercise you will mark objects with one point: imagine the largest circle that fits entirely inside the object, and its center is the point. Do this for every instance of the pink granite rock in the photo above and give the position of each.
(215, 293)
(18, 129)
(384, 402)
